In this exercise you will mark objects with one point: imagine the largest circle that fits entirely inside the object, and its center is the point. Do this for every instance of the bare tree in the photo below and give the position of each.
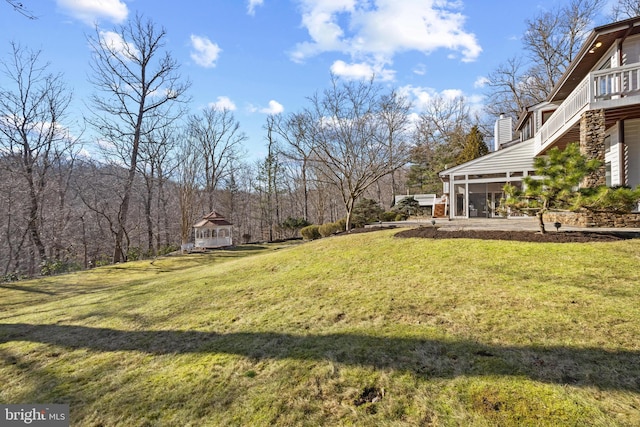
(553, 38)
(508, 89)
(394, 118)
(137, 84)
(350, 139)
(296, 133)
(624, 9)
(217, 135)
(240, 201)
(190, 167)
(267, 183)
(439, 137)
(550, 42)
(21, 9)
(32, 138)
(155, 166)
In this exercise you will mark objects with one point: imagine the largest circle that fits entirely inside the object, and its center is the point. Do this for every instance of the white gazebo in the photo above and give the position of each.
(213, 231)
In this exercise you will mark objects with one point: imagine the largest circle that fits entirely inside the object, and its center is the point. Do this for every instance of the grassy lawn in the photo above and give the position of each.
(364, 330)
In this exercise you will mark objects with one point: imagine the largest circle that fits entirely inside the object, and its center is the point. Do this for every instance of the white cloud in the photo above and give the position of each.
(274, 108)
(320, 18)
(420, 69)
(205, 53)
(91, 11)
(115, 43)
(451, 94)
(374, 31)
(84, 154)
(421, 97)
(223, 103)
(251, 7)
(480, 82)
(361, 71)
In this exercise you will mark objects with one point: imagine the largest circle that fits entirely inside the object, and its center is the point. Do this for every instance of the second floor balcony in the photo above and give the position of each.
(616, 90)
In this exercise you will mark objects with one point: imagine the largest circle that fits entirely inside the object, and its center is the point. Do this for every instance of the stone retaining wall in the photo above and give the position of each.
(594, 219)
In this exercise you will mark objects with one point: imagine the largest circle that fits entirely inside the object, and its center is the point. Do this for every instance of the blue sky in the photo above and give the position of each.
(265, 56)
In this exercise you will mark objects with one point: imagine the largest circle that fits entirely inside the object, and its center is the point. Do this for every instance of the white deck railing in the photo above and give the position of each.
(616, 82)
(600, 89)
(565, 116)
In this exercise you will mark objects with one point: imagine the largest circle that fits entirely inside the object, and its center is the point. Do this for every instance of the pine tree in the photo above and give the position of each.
(474, 146)
(556, 185)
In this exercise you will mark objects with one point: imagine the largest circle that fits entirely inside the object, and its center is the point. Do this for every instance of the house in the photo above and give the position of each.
(213, 231)
(596, 103)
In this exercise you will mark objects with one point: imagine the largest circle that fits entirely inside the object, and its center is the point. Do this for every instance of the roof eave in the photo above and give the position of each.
(578, 62)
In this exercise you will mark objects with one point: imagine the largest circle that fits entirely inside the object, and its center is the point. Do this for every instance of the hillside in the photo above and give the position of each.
(365, 329)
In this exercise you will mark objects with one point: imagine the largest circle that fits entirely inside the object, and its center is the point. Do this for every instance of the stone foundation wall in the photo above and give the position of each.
(594, 219)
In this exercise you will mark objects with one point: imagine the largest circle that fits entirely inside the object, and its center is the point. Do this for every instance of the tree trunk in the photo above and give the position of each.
(349, 205)
(34, 229)
(148, 201)
(305, 209)
(540, 214)
(118, 251)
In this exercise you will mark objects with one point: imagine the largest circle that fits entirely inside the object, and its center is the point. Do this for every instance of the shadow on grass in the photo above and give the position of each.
(246, 248)
(26, 289)
(618, 370)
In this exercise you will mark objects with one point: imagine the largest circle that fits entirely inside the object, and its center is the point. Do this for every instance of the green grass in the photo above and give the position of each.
(365, 329)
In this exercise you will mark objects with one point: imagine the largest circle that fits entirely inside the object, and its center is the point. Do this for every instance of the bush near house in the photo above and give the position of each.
(557, 190)
(559, 174)
(620, 199)
(365, 212)
(405, 208)
(311, 232)
(330, 228)
(389, 216)
(293, 225)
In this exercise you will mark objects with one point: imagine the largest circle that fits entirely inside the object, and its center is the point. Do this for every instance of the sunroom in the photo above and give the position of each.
(475, 188)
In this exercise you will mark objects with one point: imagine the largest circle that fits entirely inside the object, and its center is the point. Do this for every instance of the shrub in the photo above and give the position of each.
(10, 277)
(388, 216)
(401, 217)
(407, 207)
(168, 249)
(294, 224)
(329, 229)
(134, 253)
(311, 232)
(342, 224)
(619, 199)
(365, 212)
(52, 267)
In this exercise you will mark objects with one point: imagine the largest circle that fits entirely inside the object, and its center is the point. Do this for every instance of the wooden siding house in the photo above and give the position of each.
(213, 231)
(595, 103)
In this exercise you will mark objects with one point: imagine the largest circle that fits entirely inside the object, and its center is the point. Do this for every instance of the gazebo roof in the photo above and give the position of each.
(213, 219)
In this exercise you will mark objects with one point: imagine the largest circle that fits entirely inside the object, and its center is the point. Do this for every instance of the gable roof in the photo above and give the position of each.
(517, 157)
(212, 219)
(597, 43)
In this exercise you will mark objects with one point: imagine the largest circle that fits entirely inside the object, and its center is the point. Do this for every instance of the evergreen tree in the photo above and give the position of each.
(474, 146)
(555, 187)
